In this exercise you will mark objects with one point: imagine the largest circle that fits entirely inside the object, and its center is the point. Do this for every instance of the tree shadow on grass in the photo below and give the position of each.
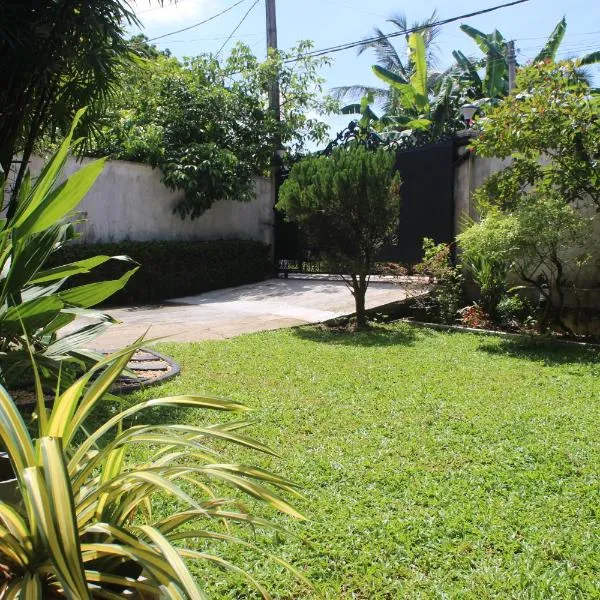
(373, 337)
(547, 352)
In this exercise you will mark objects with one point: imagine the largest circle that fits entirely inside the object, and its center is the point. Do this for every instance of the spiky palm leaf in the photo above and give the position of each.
(589, 59)
(86, 526)
(33, 307)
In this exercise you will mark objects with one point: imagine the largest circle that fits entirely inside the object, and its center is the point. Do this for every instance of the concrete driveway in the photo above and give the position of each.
(271, 304)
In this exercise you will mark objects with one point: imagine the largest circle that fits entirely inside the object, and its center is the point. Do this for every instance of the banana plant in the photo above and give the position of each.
(494, 82)
(412, 95)
(87, 525)
(34, 302)
(392, 59)
(421, 106)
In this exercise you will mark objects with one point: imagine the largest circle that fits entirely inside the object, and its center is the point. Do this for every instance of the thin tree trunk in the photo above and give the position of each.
(359, 285)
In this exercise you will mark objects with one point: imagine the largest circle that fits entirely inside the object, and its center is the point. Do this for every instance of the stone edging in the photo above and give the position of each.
(505, 334)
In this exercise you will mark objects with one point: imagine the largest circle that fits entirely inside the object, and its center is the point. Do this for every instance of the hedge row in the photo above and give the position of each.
(172, 269)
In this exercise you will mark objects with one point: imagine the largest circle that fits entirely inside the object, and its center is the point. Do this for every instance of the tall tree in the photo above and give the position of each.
(205, 123)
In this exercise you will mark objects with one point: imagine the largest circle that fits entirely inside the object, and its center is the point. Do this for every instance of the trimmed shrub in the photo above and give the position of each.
(173, 269)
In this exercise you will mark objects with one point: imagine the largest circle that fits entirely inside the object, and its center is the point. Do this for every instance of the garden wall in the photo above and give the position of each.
(129, 203)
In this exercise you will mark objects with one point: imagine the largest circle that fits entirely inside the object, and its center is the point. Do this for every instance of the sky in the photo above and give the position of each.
(331, 22)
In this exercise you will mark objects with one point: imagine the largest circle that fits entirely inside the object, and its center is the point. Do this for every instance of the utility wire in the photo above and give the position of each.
(349, 45)
(236, 28)
(160, 37)
(211, 39)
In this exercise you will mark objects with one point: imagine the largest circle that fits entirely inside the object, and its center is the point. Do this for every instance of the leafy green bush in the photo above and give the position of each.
(206, 124)
(489, 250)
(448, 293)
(172, 269)
(514, 310)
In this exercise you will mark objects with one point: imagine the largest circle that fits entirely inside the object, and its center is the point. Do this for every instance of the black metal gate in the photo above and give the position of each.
(427, 210)
(427, 205)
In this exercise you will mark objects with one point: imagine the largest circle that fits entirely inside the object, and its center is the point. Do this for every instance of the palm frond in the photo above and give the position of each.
(386, 53)
(356, 92)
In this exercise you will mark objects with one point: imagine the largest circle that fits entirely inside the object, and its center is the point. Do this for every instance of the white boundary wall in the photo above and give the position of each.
(129, 202)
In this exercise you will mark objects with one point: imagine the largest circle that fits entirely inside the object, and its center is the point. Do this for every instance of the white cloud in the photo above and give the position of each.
(182, 12)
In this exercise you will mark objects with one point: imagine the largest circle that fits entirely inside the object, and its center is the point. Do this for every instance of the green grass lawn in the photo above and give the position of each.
(434, 465)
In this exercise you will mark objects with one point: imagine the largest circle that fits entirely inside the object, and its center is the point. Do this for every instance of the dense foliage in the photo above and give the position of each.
(551, 131)
(538, 213)
(174, 269)
(206, 124)
(349, 203)
(57, 56)
(34, 302)
(440, 265)
(419, 97)
(493, 85)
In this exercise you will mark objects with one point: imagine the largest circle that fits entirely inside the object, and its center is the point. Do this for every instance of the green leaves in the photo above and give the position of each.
(388, 76)
(31, 199)
(589, 59)
(58, 203)
(413, 95)
(165, 111)
(29, 316)
(92, 294)
(418, 59)
(347, 202)
(550, 49)
(86, 517)
(32, 307)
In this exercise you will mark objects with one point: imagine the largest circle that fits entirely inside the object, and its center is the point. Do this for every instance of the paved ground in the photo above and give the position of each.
(221, 314)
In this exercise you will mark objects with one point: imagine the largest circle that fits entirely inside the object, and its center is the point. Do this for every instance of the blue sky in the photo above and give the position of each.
(331, 22)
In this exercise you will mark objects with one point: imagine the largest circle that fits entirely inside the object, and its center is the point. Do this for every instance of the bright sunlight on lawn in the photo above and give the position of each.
(433, 465)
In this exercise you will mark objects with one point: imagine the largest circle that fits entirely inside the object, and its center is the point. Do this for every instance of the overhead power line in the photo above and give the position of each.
(164, 35)
(356, 44)
(237, 27)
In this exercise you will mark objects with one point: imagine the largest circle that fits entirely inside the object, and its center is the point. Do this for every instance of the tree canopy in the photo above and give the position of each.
(57, 56)
(206, 124)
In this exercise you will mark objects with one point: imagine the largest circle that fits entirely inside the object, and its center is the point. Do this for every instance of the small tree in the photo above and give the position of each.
(551, 131)
(349, 204)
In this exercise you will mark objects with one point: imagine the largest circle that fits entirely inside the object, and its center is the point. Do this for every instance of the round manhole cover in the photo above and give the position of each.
(146, 368)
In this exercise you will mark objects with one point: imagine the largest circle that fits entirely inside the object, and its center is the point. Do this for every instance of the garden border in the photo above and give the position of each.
(491, 332)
